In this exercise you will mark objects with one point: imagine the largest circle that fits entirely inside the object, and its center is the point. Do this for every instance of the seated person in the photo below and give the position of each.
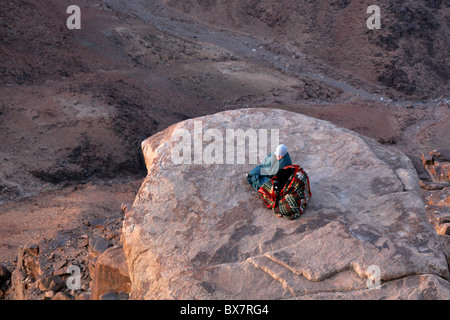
(269, 167)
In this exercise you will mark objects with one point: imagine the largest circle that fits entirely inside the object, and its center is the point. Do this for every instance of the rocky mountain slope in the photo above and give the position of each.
(408, 54)
(75, 106)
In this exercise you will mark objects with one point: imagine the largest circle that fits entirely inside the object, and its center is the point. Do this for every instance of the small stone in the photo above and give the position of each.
(59, 264)
(443, 229)
(98, 245)
(60, 272)
(5, 274)
(53, 283)
(427, 160)
(427, 185)
(113, 235)
(83, 243)
(62, 296)
(98, 223)
(83, 296)
(31, 249)
(123, 209)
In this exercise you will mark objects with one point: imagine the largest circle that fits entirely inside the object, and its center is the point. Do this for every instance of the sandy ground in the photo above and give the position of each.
(75, 105)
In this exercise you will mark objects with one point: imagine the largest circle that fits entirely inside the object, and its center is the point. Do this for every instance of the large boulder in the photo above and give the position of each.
(199, 231)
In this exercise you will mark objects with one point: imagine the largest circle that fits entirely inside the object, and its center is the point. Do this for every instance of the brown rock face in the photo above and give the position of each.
(199, 231)
(111, 274)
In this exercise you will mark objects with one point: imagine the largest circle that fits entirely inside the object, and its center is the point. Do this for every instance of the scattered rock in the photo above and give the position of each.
(50, 283)
(111, 235)
(97, 246)
(432, 185)
(438, 214)
(438, 166)
(42, 270)
(58, 265)
(83, 243)
(438, 210)
(62, 296)
(98, 223)
(60, 272)
(443, 228)
(83, 296)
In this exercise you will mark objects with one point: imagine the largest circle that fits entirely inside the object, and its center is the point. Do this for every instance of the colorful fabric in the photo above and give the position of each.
(291, 201)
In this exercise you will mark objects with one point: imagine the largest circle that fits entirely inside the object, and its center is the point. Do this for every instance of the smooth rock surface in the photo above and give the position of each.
(199, 231)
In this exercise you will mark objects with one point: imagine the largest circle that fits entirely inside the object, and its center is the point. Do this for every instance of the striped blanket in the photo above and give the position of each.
(290, 200)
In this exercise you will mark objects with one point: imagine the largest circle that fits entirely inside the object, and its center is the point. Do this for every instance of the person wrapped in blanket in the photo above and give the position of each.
(269, 167)
(287, 193)
(284, 187)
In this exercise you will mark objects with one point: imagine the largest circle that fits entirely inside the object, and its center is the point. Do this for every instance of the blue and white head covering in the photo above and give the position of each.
(281, 150)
